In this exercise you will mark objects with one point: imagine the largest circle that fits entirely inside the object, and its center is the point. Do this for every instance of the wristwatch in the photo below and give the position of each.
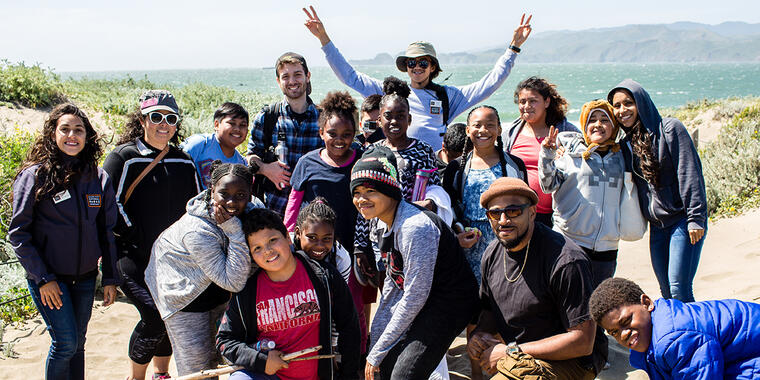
(513, 349)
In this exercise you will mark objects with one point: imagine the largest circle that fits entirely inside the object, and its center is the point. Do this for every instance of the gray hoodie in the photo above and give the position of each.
(194, 252)
(586, 193)
(681, 192)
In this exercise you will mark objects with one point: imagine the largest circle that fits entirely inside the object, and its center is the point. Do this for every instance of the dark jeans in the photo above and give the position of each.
(419, 351)
(603, 264)
(67, 327)
(149, 338)
(675, 259)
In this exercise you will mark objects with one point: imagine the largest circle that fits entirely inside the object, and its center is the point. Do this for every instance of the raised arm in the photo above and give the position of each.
(549, 177)
(462, 98)
(360, 82)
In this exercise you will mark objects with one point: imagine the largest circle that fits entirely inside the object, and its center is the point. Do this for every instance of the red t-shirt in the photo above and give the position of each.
(527, 148)
(288, 313)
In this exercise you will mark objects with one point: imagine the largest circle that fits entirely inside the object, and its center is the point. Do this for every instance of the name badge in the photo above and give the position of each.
(62, 196)
(93, 200)
(435, 107)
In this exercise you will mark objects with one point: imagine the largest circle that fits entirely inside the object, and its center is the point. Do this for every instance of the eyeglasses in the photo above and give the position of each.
(157, 118)
(512, 212)
(412, 63)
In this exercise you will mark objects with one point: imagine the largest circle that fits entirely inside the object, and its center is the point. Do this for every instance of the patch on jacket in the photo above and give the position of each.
(93, 200)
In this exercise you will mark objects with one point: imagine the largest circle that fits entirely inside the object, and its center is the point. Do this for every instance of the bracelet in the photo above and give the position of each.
(515, 48)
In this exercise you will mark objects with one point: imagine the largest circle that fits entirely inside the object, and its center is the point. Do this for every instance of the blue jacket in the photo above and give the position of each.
(702, 340)
(681, 192)
(62, 237)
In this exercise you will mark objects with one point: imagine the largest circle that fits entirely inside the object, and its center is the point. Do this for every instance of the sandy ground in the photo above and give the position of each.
(730, 256)
(727, 270)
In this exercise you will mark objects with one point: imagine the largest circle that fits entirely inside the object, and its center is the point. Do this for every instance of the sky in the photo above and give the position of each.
(79, 35)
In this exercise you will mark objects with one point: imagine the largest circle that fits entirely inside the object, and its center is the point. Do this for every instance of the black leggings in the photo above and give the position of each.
(149, 337)
(423, 346)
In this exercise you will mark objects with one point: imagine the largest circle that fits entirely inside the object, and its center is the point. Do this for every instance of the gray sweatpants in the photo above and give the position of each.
(193, 339)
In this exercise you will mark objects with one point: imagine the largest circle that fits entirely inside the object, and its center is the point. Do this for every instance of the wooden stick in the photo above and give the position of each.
(312, 357)
(303, 352)
(206, 373)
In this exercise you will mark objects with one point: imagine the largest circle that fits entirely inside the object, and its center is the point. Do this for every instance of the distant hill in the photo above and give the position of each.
(677, 42)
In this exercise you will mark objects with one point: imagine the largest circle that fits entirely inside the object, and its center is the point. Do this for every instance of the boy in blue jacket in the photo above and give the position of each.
(674, 340)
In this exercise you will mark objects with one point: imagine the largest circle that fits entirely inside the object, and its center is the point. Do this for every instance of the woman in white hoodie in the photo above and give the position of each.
(586, 182)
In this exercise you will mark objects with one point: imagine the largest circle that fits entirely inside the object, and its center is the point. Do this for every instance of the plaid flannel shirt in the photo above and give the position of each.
(301, 138)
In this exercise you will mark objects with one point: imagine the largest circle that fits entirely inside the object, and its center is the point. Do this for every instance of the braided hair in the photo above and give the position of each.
(317, 211)
(220, 169)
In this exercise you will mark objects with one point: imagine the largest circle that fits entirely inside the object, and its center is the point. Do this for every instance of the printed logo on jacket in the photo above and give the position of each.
(298, 309)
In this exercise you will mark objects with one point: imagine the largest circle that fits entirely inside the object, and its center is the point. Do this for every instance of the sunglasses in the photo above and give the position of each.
(157, 117)
(412, 63)
(510, 211)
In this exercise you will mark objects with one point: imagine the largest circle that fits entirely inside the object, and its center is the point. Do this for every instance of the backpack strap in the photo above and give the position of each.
(443, 96)
(271, 114)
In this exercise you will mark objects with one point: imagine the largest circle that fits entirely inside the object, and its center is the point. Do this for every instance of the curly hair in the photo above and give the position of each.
(468, 146)
(258, 219)
(340, 104)
(395, 90)
(55, 173)
(134, 129)
(641, 144)
(611, 294)
(557, 104)
(455, 137)
(371, 103)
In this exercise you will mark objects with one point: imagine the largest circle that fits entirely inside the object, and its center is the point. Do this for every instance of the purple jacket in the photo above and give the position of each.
(62, 236)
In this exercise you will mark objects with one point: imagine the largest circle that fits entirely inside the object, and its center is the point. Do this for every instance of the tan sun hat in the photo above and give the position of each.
(414, 50)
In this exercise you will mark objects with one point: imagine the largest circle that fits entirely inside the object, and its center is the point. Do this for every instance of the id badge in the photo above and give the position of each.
(62, 196)
(435, 107)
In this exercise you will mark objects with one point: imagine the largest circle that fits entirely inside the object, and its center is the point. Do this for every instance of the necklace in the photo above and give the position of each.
(525, 260)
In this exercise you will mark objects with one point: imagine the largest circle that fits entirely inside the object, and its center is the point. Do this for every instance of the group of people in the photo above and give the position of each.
(505, 232)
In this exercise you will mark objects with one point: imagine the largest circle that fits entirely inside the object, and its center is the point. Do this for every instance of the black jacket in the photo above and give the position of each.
(238, 330)
(456, 171)
(158, 200)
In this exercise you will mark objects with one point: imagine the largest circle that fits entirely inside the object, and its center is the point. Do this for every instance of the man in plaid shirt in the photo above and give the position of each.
(297, 116)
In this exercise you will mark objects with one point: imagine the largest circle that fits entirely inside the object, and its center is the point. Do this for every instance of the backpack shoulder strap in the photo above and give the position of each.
(271, 114)
(443, 96)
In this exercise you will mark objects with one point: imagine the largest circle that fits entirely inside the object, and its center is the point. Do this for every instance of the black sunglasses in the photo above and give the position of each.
(157, 117)
(512, 212)
(412, 63)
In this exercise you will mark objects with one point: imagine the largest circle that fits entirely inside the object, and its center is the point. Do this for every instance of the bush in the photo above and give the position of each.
(31, 86)
(731, 165)
(14, 147)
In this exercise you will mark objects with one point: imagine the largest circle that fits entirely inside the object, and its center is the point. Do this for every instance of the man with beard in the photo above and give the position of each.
(535, 291)
(295, 120)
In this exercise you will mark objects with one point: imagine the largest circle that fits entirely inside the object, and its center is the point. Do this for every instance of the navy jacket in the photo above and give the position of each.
(681, 192)
(62, 236)
(702, 341)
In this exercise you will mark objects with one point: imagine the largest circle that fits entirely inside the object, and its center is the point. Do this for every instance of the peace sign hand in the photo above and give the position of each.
(550, 141)
(522, 32)
(315, 25)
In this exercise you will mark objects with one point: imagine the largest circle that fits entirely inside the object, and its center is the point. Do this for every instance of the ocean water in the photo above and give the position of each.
(669, 84)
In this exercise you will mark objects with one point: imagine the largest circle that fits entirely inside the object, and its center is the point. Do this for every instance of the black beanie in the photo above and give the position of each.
(377, 169)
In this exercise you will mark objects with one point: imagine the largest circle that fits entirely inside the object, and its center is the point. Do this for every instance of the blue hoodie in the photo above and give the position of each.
(681, 192)
(702, 341)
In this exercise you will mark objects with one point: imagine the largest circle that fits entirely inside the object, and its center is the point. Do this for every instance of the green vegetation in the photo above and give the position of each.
(32, 86)
(731, 165)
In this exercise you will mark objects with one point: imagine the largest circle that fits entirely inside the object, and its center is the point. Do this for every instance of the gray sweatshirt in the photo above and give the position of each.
(426, 125)
(416, 238)
(194, 252)
(586, 193)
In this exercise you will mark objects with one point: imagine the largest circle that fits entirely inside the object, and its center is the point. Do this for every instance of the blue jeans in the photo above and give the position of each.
(67, 327)
(675, 259)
